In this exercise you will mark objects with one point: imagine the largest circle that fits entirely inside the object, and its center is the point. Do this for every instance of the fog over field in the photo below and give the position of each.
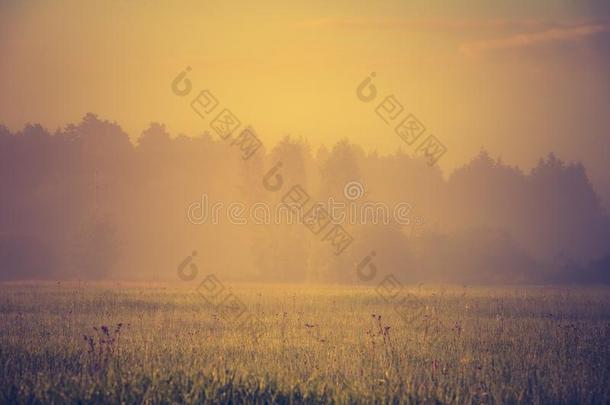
(304, 202)
(85, 203)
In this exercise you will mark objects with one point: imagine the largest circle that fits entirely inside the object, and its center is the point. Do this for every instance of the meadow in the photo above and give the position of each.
(120, 343)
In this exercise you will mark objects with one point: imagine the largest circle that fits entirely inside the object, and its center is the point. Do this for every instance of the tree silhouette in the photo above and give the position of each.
(86, 202)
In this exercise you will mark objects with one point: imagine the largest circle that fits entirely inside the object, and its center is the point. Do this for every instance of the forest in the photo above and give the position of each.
(88, 202)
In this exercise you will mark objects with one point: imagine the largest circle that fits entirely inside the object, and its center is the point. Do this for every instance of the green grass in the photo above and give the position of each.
(317, 344)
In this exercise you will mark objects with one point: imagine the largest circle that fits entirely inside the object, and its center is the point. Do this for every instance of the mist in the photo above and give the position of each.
(86, 203)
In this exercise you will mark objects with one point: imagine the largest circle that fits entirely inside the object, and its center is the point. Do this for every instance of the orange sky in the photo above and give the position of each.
(520, 80)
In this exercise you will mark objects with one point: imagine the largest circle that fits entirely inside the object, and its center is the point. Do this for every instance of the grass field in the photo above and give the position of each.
(153, 344)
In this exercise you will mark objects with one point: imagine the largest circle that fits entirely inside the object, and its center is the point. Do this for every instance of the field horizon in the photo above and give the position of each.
(304, 202)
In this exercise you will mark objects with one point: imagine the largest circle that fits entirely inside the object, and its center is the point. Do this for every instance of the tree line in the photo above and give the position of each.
(85, 202)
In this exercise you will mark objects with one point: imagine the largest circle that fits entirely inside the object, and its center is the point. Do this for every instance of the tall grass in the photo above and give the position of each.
(118, 344)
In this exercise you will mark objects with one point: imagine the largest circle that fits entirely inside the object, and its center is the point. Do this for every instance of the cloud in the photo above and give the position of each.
(522, 40)
(509, 33)
(437, 24)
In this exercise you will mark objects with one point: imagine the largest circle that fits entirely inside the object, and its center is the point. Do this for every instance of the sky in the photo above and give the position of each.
(520, 79)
